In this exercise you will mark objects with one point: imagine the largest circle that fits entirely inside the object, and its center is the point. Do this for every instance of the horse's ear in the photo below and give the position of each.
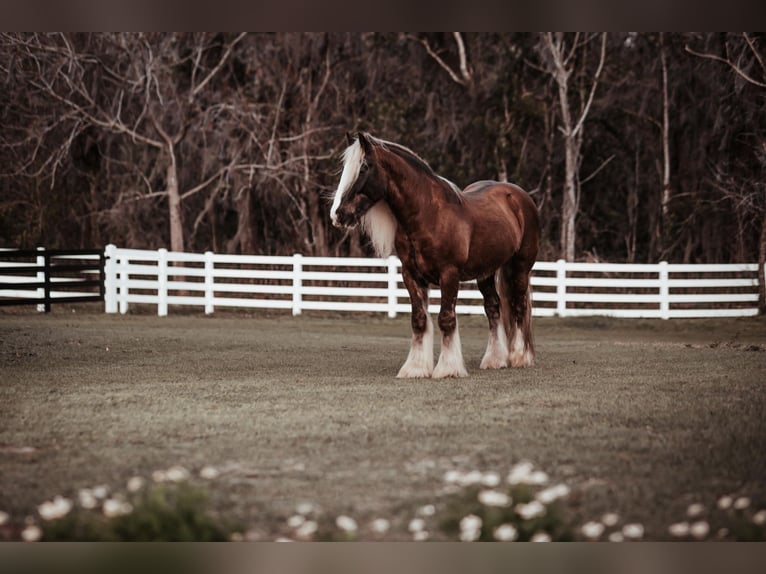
(365, 142)
(349, 138)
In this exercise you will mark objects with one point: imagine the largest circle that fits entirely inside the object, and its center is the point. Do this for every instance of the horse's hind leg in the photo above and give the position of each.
(496, 355)
(420, 361)
(516, 279)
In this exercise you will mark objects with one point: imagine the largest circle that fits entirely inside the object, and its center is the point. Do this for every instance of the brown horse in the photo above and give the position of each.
(489, 232)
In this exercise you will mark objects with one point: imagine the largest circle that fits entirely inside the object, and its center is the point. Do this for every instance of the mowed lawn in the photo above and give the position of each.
(638, 417)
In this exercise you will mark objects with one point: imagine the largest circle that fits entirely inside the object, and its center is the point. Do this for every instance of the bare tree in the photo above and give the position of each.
(747, 61)
(559, 58)
(142, 98)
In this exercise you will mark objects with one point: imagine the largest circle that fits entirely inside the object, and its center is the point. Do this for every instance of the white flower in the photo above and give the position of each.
(346, 523)
(452, 476)
(610, 519)
(470, 528)
(490, 479)
(209, 473)
(530, 510)
(679, 529)
(416, 525)
(616, 537)
(236, 537)
(695, 510)
(380, 526)
(31, 533)
(177, 474)
(506, 533)
(296, 520)
(633, 531)
(552, 493)
(420, 536)
(538, 478)
(306, 530)
(86, 498)
(284, 539)
(494, 498)
(470, 478)
(305, 508)
(592, 530)
(700, 529)
(427, 510)
(4, 517)
(725, 502)
(540, 537)
(100, 491)
(722, 533)
(58, 508)
(759, 518)
(135, 484)
(159, 476)
(520, 472)
(741, 503)
(114, 507)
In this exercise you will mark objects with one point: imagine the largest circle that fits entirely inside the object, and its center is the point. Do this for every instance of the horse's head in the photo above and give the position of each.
(361, 183)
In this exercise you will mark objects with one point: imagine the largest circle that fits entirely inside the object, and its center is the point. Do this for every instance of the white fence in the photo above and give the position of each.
(298, 283)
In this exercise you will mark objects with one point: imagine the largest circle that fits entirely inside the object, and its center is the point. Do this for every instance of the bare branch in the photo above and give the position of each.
(596, 77)
(598, 169)
(464, 69)
(220, 64)
(205, 183)
(452, 74)
(740, 72)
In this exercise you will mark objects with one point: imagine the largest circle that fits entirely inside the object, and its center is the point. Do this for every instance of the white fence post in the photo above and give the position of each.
(561, 288)
(40, 261)
(664, 290)
(122, 264)
(209, 283)
(162, 282)
(110, 279)
(297, 283)
(392, 285)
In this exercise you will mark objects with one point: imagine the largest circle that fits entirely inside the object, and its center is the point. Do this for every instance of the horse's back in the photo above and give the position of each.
(482, 195)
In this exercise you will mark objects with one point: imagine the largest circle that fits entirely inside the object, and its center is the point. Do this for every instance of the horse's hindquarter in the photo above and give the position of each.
(499, 217)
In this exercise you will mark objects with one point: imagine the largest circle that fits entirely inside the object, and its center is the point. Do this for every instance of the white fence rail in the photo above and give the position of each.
(298, 283)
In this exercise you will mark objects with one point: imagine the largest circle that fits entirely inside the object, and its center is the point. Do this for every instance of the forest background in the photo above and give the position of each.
(637, 147)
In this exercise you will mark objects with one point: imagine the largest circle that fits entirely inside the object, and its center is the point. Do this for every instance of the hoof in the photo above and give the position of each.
(489, 362)
(409, 372)
(449, 373)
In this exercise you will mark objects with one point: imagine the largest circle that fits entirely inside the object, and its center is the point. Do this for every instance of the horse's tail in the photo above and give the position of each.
(504, 290)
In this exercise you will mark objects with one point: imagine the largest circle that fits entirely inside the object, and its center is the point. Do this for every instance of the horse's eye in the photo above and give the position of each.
(364, 167)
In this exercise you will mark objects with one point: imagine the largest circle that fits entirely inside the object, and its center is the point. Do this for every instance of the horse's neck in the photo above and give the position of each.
(414, 197)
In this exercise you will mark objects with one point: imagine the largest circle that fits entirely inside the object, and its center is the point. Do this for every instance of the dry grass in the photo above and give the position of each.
(639, 417)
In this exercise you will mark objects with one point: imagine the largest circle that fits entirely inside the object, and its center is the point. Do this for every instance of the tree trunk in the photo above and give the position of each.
(665, 203)
(569, 206)
(174, 206)
(244, 239)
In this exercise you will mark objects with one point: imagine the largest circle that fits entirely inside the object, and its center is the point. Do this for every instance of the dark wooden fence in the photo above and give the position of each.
(46, 277)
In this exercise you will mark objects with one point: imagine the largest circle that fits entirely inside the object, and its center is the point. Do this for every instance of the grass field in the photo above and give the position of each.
(639, 417)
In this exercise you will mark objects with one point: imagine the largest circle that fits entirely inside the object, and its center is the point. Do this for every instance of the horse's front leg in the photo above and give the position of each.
(451, 358)
(420, 361)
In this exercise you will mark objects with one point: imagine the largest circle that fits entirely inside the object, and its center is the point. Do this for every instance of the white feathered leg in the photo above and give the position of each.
(451, 358)
(496, 355)
(420, 361)
(521, 355)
